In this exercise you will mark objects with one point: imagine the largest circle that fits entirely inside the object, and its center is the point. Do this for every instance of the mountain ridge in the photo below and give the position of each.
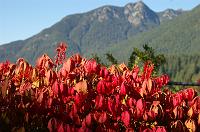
(178, 40)
(95, 29)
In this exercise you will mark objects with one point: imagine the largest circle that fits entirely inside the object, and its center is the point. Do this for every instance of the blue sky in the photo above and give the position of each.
(20, 19)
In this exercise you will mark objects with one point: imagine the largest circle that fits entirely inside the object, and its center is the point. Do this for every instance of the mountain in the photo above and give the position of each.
(89, 32)
(169, 14)
(178, 39)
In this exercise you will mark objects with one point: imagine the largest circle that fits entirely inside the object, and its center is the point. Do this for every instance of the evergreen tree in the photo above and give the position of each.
(111, 59)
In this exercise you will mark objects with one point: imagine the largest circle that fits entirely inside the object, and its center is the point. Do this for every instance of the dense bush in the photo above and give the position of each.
(81, 95)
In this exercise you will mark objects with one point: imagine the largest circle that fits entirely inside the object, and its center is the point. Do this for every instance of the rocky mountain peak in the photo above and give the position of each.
(138, 6)
(169, 14)
(138, 13)
(106, 12)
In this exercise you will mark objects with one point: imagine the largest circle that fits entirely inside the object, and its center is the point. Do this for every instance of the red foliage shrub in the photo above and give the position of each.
(85, 96)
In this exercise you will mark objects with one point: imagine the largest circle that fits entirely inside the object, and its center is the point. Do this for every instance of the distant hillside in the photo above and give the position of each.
(89, 32)
(169, 14)
(178, 39)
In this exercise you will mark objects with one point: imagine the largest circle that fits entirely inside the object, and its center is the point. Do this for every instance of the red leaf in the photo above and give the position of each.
(161, 129)
(125, 117)
(144, 84)
(63, 72)
(104, 72)
(61, 53)
(196, 105)
(40, 98)
(109, 88)
(101, 87)
(44, 62)
(111, 106)
(143, 90)
(52, 124)
(139, 108)
(73, 112)
(69, 128)
(155, 107)
(88, 119)
(60, 128)
(92, 67)
(70, 91)
(34, 74)
(55, 87)
(77, 120)
(26, 117)
(122, 89)
(155, 103)
(135, 72)
(117, 101)
(79, 98)
(99, 101)
(149, 85)
(145, 116)
(49, 102)
(4, 87)
(180, 112)
(189, 94)
(61, 87)
(151, 115)
(77, 58)
(147, 130)
(148, 68)
(129, 130)
(131, 102)
(177, 99)
(51, 76)
(100, 117)
(69, 65)
(157, 110)
(25, 87)
(139, 104)
(48, 76)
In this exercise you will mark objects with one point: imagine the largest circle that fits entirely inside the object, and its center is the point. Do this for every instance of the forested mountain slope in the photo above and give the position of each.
(178, 39)
(89, 32)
